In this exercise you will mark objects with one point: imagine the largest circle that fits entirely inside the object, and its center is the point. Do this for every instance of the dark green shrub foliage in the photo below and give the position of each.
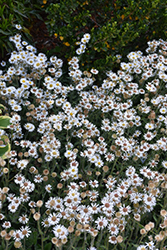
(113, 25)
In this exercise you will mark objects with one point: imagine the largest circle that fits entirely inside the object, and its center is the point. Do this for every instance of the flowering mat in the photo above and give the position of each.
(87, 164)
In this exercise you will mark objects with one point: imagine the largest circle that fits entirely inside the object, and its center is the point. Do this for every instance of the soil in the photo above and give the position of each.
(40, 36)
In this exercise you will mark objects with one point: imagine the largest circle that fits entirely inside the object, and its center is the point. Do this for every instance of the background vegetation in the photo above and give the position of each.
(115, 26)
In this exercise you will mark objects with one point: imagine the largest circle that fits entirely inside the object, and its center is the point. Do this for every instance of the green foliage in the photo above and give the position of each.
(113, 26)
(4, 122)
(4, 140)
(13, 13)
(4, 147)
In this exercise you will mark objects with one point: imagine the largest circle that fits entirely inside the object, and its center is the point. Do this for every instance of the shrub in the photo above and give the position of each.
(115, 26)
(87, 169)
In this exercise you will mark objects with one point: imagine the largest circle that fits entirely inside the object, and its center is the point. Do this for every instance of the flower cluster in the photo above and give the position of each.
(79, 169)
(85, 39)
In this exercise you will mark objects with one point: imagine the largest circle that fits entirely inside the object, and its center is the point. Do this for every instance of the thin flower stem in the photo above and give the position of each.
(115, 247)
(114, 165)
(162, 244)
(14, 176)
(24, 243)
(107, 243)
(61, 247)
(92, 241)
(165, 201)
(41, 233)
(84, 240)
(100, 238)
(6, 245)
(72, 242)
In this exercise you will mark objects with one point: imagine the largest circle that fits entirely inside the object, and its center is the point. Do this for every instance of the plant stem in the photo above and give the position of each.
(84, 240)
(162, 244)
(115, 247)
(41, 233)
(99, 240)
(114, 165)
(6, 245)
(92, 241)
(72, 242)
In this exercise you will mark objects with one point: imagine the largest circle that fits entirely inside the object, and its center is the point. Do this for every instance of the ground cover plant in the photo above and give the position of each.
(87, 166)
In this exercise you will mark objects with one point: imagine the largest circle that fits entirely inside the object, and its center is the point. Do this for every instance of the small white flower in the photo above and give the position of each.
(101, 222)
(48, 188)
(79, 51)
(23, 219)
(18, 26)
(22, 164)
(60, 231)
(6, 224)
(87, 36)
(29, 126)
(25, 231)
(2, 216)
(94, 71)
(3, 63)
(164, 164)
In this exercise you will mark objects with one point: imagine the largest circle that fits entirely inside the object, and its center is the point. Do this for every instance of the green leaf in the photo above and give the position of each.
(4, 32)
(10, 247)
(4, 122)
(155, 218)
(1, 247)
(1, 10)
(2, 107)
(48, 246)
(32, 240)
(4, 148)
(21, 14)
(102, 247)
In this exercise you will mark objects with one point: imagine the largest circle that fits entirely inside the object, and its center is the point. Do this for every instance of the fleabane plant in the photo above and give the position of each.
(87, 169)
